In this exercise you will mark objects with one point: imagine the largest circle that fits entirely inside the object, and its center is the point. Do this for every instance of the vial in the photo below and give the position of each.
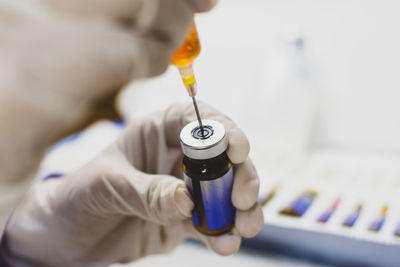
(208, 174)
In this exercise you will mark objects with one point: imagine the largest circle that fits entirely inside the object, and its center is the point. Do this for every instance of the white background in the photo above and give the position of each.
(353, 45)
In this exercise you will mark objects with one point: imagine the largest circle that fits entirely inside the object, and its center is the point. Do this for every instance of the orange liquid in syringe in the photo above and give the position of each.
(189, 50)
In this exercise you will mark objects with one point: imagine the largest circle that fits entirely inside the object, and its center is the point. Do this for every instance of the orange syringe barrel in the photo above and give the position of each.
(183, 58)
(189, 50)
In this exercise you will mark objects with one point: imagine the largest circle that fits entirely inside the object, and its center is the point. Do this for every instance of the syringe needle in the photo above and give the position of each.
(198, 114)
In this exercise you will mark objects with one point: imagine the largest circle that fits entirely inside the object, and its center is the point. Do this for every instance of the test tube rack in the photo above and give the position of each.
(338, 207)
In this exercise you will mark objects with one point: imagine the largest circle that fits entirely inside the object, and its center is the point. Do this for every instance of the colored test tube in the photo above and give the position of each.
(377, 224)
(300, 205)
(263, 200)
(397, 230)
(53, 175)
(324, 218)
(353, 217)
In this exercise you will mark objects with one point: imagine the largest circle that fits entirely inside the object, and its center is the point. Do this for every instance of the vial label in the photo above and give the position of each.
(213, 201)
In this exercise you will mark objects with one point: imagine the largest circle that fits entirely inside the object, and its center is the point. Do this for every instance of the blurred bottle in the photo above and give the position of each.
(290, 97)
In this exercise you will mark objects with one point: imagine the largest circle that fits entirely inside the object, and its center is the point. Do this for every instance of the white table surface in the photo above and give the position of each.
(195, 255)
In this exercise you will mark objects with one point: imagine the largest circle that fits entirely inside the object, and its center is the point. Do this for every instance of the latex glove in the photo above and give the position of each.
(128, 202)
(58, 71)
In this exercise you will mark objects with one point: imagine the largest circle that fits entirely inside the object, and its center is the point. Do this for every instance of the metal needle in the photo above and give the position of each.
(198, 115)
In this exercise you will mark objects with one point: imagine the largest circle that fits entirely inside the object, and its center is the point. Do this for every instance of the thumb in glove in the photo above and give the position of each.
(106, 212)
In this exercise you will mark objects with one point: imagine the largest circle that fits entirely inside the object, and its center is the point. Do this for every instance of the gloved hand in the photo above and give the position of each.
(63, 62)
(128, 202)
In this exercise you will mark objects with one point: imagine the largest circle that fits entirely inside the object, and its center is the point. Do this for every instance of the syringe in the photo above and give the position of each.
(183, 58)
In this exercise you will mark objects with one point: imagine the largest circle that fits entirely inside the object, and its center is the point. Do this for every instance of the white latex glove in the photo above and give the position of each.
(128, 202)
(62, 63)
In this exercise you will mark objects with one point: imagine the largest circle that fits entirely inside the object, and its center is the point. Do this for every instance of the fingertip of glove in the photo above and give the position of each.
(212, 3)
(202, 5)
(239, 146)
(183, 201)
(227, 244)
(249, 223)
